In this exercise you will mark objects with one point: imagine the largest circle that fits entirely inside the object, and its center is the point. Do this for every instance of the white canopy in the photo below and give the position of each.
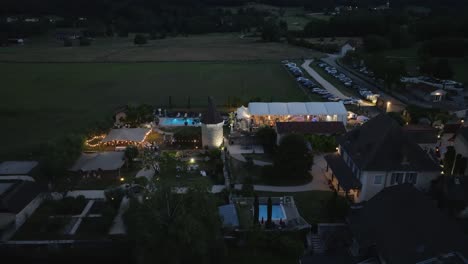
(242, 112)
(127, 134)
(310, 108)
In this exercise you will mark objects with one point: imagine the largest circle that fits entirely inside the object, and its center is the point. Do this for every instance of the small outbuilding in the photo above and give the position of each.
(18, 168)
(101, 164)
(438, 95)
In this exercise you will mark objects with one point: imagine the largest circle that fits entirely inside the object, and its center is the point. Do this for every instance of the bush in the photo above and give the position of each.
(67, 42)
(143, 181)
(140, 39)
(114, 197)
(322, 143)
(267, 137)
(85, 42)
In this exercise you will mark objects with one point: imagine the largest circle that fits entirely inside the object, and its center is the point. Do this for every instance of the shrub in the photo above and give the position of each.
(140, 39)
(85, 41)
(67, 42)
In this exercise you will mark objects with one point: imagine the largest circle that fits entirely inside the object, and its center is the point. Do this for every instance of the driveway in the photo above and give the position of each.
(324, 83)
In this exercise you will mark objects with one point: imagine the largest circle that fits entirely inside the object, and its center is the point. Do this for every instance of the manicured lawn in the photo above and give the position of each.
(241, 171)
(40, 102)
(311, 205)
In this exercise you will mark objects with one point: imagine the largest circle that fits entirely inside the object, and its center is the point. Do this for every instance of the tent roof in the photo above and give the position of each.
(127, 134)
(294, 108)
(106, 161)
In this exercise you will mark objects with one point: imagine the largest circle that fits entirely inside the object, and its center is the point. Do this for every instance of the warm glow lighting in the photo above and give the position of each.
(122, 179)
(192, 160)
(337, 149)
(389, 103)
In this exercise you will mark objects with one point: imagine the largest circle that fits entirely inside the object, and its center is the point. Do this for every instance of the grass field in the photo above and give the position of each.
(210, 47)
(42, 101)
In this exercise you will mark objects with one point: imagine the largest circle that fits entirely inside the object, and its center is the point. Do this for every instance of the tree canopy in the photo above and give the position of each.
(176, 228)
(293, 158)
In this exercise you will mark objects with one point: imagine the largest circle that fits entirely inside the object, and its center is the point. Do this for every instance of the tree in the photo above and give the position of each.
(269, 212)
(57, 156)
(85, 41)
(67, 42)
(375, 43)
(167, 222)
(140, 39)
(256, 210)
(270, 30)
(131, 152)
(267, 138)
(449, 159)
(443, 70)
(293, 158)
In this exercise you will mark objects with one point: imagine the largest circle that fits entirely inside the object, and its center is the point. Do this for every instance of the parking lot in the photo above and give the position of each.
(313, 87)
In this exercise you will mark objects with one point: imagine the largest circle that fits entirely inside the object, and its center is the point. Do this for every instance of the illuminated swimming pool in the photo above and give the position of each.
(179, 122)
(277, 212)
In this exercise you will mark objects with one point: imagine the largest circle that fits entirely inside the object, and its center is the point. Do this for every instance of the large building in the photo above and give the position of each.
(258, 114)
(378, 155)
(212, 126)
(402, 225)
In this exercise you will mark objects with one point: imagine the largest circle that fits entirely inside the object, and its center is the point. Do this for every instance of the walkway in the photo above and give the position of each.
(241, 158)
(118, 226)
(324, 83)
(77, 223)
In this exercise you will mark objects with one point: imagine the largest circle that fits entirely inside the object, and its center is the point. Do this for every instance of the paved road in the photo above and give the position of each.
(395, 104)
(324, 83)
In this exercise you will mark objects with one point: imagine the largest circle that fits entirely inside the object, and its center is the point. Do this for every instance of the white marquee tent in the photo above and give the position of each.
(330, 111)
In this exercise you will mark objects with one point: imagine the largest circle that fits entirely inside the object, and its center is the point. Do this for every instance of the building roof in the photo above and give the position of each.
(342, 172)
(229, 216)
(17, 167)
(451, 128)
(106, 161)
(381, 145)
(211, 116)
(293, 108)
(127, 134)
(15, 195)
(463, 133)
(328, 128)
(421, 134)
(405, 226)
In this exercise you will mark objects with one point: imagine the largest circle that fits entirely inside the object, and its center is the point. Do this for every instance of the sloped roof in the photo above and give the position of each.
(17, 167)
(322, 128)
(421, 134)
(463, 132)
(406, 227)
(381, 145)
(15, 195)
(127, 134)
(211, 116)
(106, 161)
